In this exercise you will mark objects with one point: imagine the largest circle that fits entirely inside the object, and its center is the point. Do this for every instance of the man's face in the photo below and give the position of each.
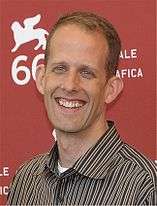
(75, 79)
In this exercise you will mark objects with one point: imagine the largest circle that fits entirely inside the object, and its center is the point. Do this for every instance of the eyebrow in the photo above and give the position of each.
(59, 63)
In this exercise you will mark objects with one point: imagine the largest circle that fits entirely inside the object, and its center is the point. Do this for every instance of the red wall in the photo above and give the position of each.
(24, 128)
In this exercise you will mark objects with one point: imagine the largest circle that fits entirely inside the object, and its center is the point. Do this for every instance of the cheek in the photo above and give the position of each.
(99, 96)
(96, 90)
(50, 84)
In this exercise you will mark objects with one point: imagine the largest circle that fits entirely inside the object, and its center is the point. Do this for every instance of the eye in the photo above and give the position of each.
(59, 69)
(88, 74)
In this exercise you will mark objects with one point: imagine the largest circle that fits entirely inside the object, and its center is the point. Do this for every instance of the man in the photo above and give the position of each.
(89, 163)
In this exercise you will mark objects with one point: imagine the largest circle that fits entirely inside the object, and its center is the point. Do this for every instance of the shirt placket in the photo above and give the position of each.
(58, 193)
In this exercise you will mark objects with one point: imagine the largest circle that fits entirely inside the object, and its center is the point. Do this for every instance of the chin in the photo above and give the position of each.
(66, 129)
(66, 124)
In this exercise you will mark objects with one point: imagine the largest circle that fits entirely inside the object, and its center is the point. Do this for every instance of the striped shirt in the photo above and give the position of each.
(109, 173)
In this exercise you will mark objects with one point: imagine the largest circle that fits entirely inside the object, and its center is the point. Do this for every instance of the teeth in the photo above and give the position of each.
(69, 104)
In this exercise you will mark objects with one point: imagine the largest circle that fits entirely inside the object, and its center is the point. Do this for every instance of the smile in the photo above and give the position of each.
(70, 104)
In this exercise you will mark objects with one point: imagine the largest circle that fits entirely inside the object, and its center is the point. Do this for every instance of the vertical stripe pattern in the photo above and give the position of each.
(109, 173)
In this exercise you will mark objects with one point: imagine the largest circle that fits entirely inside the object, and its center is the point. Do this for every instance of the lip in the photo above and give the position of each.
(70, 110)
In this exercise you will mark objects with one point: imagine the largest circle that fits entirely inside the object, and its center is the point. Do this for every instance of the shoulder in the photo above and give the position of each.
(30, 168)
(141, 163)
(23, 183)
(33, 164)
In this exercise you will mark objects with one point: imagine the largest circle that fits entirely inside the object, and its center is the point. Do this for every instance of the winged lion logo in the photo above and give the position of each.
(27, 33)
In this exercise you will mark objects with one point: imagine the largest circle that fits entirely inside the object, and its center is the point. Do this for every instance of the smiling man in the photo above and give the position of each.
(89, 163)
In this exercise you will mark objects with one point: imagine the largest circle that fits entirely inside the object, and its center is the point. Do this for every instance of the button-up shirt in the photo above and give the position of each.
(109, 173)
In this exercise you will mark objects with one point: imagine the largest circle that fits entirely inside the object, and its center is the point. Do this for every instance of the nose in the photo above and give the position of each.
(71, 82)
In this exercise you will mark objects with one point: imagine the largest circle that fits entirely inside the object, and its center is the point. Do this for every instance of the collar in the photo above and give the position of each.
(97, 161)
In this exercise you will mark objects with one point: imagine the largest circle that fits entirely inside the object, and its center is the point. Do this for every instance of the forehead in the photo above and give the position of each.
(72, 43)
(77, 46)
(74, 33)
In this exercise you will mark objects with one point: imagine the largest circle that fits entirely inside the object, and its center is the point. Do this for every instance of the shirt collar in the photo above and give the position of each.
(50, 160)
(97, 161)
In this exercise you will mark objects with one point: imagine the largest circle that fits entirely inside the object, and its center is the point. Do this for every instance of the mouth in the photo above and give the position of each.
(72, 104)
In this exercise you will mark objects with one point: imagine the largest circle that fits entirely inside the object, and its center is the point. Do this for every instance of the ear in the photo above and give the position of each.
(40, 78)
(113, 88)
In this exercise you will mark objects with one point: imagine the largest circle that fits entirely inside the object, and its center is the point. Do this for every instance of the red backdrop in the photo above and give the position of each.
(24, 128)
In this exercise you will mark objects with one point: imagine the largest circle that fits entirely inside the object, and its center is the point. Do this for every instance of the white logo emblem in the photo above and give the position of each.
(28, 33)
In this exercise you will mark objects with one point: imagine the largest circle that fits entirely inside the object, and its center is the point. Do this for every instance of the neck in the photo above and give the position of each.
(72, 146)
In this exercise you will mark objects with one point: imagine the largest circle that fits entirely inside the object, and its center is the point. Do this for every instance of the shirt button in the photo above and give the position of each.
(60, 199)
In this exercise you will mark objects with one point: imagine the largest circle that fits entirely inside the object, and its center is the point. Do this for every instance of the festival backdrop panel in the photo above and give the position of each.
(24, 128)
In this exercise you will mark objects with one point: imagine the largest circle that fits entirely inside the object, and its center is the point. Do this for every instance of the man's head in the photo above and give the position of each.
(74, 80)
(92, 22)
